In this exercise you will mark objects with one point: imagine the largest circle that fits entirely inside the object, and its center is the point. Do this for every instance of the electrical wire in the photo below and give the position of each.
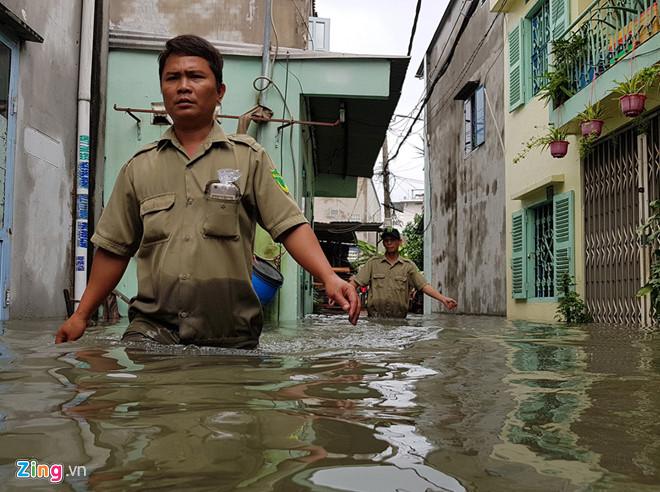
(414, 27)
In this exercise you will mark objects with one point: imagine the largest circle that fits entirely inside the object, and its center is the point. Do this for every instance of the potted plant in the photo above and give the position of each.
(554, 139)
(591, 120)
(632, 91)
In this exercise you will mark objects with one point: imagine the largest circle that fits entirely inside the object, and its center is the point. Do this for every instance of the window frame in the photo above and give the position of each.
(473, 120)
(313, 22)
(563, 243)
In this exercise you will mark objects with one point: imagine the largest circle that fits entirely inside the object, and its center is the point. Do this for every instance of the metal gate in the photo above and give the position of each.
(621, 176)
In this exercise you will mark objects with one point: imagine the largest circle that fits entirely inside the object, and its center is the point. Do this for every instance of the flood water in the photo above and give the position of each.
(428, 404)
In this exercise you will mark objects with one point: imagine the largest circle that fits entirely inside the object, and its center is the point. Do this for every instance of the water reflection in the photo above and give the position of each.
(446, 403)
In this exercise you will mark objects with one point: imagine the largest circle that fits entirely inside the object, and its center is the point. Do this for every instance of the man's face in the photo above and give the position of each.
(391, 245)
(189, 88)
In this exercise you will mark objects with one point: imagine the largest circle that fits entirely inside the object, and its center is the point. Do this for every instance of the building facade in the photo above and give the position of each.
(465, 192)
(578, 215)
(39, 48)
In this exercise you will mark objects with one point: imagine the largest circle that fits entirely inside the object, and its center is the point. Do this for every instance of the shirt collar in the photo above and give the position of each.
(216, 134)
(398, 260)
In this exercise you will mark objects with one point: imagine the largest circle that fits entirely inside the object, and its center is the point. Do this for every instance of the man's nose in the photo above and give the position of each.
(184, 85)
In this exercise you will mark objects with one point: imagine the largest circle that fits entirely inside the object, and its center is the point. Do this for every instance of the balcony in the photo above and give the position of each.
(605, 34)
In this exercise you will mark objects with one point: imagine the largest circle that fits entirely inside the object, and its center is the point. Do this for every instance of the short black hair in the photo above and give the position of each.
(391, 232)
(191, 45)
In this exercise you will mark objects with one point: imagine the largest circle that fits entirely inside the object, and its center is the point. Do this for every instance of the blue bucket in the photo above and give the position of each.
(266, 280)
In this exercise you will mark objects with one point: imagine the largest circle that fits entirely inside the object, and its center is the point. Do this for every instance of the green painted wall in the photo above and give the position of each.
(133, 82)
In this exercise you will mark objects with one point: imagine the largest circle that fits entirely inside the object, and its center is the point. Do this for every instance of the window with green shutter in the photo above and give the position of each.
(516, 76)
(542, 242)
(519, 254)
(563, 211)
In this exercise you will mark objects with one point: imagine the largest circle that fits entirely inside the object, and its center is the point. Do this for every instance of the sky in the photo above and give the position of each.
(383, 27)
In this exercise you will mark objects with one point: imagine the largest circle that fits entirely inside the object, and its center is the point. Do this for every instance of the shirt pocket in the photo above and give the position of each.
(221, 218)
(400, 283)
(156, 216)
(378, 280)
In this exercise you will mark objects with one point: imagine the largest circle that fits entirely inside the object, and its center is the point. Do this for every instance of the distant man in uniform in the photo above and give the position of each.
(190, 227)
(391, 278)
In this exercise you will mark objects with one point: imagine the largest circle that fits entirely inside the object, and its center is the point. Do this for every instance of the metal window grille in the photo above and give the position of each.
(540, 36)
(543, 251)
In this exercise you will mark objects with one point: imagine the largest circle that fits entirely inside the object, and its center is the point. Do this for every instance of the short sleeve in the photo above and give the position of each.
(416, 278)
(277, 211)
(119, 229)
(363, 276)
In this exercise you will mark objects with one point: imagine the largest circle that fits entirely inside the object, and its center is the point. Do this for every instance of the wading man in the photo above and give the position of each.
(186, 207)
(391, 279)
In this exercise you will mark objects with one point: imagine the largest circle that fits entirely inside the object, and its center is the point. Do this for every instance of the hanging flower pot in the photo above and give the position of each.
(591, 127)
(558, 148)
(632, 104)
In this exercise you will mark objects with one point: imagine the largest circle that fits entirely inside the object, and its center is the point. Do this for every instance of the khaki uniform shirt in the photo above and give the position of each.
(194, 252)
(389, 285)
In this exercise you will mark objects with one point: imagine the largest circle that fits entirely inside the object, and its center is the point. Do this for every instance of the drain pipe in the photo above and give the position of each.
(265, 56)
(82, 154)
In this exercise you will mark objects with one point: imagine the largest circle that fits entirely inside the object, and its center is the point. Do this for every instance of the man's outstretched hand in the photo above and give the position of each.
(344, 294)
(72, 329)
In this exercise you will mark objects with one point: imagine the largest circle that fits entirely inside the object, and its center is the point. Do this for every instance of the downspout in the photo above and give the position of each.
(265, 59)
(82, 154)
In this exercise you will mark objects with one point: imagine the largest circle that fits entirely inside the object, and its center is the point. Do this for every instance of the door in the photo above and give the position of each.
(8, 75)
(621, 177)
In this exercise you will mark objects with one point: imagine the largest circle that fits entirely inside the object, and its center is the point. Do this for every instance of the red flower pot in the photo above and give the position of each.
(632, 104)
(559, 148)
(591, 127)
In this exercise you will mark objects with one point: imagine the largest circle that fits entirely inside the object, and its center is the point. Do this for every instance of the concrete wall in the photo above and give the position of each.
(221, 20)
(466, 194)
(45, 158)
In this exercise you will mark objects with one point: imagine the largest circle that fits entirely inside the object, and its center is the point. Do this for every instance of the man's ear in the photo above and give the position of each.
(221, 92)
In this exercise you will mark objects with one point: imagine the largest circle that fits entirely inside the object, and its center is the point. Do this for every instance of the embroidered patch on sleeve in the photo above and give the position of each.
(279, 180)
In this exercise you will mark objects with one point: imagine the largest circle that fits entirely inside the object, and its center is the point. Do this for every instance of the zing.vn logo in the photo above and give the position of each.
(54, 473)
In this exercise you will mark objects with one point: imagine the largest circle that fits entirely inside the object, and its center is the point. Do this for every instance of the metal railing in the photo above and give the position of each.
(607, 31)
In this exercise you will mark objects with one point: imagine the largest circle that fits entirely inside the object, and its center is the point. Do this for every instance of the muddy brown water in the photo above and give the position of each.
(429, 404)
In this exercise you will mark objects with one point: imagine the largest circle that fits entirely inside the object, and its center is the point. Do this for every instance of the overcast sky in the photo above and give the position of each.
(382, 27)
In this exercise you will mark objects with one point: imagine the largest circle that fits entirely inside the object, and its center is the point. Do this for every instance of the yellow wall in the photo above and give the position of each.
(527, 121)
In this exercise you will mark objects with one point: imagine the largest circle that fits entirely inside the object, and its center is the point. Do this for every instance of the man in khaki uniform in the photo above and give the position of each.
(391, 278)
(186, 207)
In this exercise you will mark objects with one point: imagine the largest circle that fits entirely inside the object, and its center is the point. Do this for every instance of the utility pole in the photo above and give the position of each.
(387, 202)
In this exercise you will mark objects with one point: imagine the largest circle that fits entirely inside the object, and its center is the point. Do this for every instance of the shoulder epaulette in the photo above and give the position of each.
(146, 148)
(245, 139)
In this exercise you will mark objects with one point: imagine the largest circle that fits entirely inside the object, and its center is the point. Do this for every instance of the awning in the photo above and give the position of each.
(9, 21)
(352, 148)
(343, 232)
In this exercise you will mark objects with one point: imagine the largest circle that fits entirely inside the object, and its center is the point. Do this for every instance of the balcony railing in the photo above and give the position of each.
(608, 30)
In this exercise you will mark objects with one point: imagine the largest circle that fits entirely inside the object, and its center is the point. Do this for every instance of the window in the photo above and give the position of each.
(542, 247)
(529, 45)
(539, 24)
(319, 34)
(474, 112)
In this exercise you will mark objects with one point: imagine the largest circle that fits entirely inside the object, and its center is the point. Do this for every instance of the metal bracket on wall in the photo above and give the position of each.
(258, 119)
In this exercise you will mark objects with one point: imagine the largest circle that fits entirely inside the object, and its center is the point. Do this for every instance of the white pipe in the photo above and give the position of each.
(82, 154)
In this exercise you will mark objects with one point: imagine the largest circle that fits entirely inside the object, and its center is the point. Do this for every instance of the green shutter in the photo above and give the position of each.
(519, 255)
(516, 82)
(559, 16)
(564, 231)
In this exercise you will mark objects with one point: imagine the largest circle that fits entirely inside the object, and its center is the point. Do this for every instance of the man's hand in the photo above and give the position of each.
(448, 302)
(345, 295)
(72, 329)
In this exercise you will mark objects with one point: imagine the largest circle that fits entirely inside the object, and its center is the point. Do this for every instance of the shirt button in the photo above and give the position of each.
(186, 238)
(189, 201)
(183, 314)
(184, 276)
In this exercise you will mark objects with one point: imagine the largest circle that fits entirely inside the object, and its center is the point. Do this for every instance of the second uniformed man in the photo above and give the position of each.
(391, 279)
(186, 207)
